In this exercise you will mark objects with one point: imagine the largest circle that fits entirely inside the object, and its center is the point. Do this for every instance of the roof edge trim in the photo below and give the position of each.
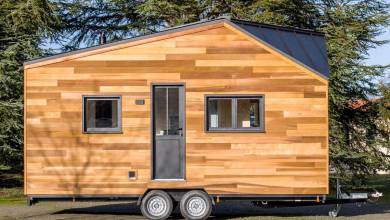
(143, 37)
(284, 28)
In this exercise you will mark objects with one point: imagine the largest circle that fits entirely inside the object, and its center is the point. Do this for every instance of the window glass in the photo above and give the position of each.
(220, 113)
(160, 103)
(235, 113)
(101, 114)
(166, 101)
(248, 113)
(173, 111)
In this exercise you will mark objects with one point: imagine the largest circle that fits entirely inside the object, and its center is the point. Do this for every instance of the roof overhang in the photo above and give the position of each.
(165, 34)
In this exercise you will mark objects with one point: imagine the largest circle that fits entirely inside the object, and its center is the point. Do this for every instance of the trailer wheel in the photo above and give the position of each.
(156, 204)
(332, 214)
(195, 205)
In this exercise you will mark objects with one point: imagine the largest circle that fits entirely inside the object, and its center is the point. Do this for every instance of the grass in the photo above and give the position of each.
(11, 187)
(2, 167)
(382, 184)
(12, 196)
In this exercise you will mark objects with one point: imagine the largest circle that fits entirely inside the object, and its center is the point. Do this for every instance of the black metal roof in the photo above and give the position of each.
(305, 47)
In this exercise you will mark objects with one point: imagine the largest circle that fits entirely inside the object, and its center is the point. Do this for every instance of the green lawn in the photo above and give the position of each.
(12, 196)
(382, 184)
(11, 187)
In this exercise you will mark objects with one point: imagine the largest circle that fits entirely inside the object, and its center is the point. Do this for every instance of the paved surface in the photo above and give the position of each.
(224, 210)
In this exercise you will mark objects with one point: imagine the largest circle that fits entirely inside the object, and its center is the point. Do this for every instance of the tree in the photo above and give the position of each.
(22, 24)
(83, 22)
(351, 28)
(383, 123)
(384, 105)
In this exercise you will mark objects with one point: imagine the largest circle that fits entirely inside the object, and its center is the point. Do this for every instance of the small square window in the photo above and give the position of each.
(234, 113)
(102, 114)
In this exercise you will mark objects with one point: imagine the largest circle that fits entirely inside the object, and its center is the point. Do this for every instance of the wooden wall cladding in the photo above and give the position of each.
(291, 157)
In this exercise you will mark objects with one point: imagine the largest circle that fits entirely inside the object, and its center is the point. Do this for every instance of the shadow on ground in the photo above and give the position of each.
(231, 209)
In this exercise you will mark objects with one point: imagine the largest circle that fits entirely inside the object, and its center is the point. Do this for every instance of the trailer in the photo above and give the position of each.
(208, 111)
(342, 197)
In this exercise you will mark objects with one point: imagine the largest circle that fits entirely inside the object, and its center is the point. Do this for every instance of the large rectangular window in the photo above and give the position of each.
(235, 113)
(102, 114)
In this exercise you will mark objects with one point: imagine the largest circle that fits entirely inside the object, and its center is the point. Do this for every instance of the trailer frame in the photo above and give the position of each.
(263, 201)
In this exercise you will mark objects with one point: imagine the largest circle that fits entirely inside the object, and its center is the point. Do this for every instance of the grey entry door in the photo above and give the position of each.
(168, 132)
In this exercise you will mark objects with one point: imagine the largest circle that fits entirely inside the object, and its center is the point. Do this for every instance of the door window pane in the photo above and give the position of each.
(166, 110)
(248, 113)
(220, 113)
(173, 111)
(101, 114)
(160, 109)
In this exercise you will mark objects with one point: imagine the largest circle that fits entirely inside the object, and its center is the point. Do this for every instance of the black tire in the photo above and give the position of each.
(195, 205)
(156, 205)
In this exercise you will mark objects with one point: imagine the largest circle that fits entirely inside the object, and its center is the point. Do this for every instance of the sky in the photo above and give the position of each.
(381, 55)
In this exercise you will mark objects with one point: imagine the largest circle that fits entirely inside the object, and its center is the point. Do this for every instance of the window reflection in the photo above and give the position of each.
(220, 113)
(247, 113)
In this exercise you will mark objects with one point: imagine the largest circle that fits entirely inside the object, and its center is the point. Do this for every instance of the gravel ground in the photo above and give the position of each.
(224, 210)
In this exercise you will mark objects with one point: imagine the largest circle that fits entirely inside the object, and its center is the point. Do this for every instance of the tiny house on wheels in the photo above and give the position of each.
(204, 112)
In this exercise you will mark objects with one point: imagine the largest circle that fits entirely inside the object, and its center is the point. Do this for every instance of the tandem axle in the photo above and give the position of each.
(199, 197)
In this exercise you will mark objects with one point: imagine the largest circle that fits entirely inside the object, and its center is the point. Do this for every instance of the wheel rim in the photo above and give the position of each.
(157, 206)
(196, 206)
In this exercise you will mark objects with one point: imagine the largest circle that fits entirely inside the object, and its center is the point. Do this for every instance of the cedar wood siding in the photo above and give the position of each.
(290, 157)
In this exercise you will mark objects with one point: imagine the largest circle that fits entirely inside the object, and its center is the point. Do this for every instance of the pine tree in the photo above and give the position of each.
(83, 22)
(355, 138)
(22, 24)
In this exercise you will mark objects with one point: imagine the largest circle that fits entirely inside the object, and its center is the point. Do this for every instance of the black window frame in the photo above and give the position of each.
(116, 130)
(234, 127)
